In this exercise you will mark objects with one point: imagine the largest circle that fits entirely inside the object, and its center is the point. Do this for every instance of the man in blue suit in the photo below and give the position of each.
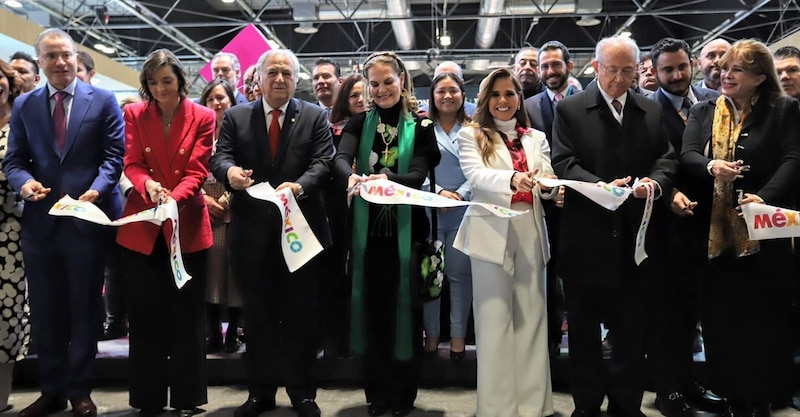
(66, 138)
(675, 303)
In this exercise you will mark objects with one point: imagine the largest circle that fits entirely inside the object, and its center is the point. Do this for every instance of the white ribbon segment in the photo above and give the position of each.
(769, 222)
(84, 210)
(298, 242)
(382, 191)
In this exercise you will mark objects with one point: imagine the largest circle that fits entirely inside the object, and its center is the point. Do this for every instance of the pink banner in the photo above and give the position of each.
(248, 45)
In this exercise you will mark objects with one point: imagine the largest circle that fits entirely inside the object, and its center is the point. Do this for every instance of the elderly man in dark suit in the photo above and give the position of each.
(675, 311)
(608, 133)
(286, 142)
(66, 138)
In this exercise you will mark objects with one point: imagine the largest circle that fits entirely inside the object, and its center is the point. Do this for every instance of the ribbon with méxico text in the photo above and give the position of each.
(84, 210)
(770, 222)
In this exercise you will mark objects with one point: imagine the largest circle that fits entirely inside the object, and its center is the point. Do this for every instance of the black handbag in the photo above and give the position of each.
(431, 256)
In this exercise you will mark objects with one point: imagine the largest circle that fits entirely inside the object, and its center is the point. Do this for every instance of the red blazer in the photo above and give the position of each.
(180, 164)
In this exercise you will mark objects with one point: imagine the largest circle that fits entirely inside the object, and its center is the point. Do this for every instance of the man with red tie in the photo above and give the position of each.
(286, 142)
(67, 138)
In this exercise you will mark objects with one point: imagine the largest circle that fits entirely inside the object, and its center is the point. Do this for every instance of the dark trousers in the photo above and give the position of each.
(280, 316)
(555, 291)
(591, 378)
(65, 278)
(167, 330)
(387, 379)
(743, 300)
(115, 284)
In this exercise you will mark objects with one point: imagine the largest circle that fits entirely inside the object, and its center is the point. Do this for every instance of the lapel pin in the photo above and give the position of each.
(293, 119)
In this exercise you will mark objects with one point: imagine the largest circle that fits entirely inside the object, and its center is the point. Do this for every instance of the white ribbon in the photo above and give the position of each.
(770, 222)
(84, 210)
(611, 198)
(382, 191)
(298, 242)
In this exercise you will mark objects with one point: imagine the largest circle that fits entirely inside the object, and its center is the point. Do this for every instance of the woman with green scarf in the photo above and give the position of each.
(743, 148)
(389, 142)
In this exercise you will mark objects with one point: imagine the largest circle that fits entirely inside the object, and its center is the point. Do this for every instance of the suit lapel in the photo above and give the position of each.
(43, 96)
(180, 131)
(547, 114)
(80, 105)
(258, 125)
(444, 140)
(154, 138)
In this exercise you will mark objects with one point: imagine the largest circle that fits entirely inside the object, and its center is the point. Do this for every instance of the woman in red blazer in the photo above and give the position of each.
(168, 141)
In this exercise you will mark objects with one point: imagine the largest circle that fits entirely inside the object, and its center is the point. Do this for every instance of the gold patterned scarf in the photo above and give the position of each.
(728, 230)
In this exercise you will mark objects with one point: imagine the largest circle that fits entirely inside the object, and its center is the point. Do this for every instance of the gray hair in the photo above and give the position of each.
(605, 43)
(279, 52)
(234, 59)
(54, 33)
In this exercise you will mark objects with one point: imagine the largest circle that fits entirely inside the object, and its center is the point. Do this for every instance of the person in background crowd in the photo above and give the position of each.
(83, 137)
(226, 65)
(349, 102)
(675, 303)
(27, 69)
(168, 143)
(326, 78)
(708, 63)
(250, 84)
(787, 64)
(647, 83)
(448, 114)
(610, 134)
(15, 327)
(452, 67)
(503, 159)
(745, 144)
(526, 69)
(389, 142)
(575, 83)
(116, 280)
(554, 68)
(86, 67)
(221, 289)
(286, 142)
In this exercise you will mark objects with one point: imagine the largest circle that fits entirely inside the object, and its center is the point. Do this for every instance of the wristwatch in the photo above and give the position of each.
(300, 192)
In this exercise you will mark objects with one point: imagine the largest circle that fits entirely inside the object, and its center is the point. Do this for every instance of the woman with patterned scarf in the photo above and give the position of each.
(744, 146)
(387, 142)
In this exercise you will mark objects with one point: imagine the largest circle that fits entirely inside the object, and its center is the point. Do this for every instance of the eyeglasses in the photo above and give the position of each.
(626, 72)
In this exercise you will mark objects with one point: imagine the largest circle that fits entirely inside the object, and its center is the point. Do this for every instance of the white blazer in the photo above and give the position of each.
(482, 235)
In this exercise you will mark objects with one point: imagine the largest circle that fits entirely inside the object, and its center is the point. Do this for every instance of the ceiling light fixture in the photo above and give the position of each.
(625, 34)
(228, 1)
(306, 28)
(588, 71)
(445, 39)
(586, 21)
(13, 3)
(104, 48)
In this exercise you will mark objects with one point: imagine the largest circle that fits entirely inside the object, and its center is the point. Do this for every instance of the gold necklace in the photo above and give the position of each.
(388, 133)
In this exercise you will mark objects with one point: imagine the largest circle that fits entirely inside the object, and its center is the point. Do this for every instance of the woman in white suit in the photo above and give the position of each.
(502, 158)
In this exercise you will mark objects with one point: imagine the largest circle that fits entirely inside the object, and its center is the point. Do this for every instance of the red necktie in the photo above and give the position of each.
(274, 133)
(60, 120)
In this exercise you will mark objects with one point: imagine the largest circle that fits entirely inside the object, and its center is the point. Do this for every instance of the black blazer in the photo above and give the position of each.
(768, 143)
(305, 156)
(590, 145)
(540, 111)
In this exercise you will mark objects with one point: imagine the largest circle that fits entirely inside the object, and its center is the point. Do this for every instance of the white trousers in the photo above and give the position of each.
(511, 328)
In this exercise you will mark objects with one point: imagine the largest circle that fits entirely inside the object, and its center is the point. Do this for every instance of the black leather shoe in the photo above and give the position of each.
(698, 397)
(187, 412)
(458, 356)
(113, 330)
(232, 344)
(255, 406)
(584, 412)
(83, 407)
(45, 405)
(674, 405)
(402, 411)
(214, 343)
(736, 410)
(307, 408)
(377, 408)
(151, 412)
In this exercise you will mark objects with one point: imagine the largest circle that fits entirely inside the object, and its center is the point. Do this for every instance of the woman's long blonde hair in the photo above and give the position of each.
(482, 121)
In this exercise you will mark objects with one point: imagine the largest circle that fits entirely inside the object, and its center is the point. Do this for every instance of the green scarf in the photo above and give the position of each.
(403, 329)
